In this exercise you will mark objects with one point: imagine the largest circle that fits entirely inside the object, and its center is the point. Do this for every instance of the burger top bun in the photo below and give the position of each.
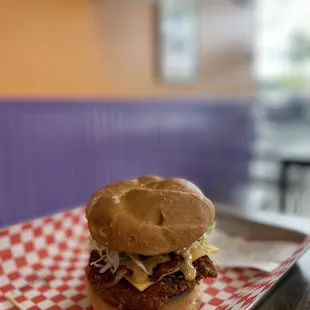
(149, 215)
(191, 301)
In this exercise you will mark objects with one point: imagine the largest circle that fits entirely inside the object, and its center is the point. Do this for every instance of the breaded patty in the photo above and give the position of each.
(123, 293)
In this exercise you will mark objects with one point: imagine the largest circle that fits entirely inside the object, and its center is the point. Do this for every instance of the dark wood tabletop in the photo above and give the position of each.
(293, 292)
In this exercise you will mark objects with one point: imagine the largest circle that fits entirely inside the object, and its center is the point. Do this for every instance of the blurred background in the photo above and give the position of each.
(94, 91)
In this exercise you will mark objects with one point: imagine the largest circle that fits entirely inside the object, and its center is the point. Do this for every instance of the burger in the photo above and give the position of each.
(149, 245)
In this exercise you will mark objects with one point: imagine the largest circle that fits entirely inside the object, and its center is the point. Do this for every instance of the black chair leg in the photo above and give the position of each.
(283, 185)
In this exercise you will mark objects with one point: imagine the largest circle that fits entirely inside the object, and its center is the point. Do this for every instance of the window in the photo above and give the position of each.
(283, 45)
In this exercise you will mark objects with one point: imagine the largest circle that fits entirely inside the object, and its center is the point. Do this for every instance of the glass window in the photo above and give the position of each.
(283, 44)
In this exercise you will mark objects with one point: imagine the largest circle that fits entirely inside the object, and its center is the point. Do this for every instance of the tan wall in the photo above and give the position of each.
(106, 48)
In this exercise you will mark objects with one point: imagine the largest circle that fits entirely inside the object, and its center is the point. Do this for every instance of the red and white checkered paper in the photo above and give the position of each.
(42, 266)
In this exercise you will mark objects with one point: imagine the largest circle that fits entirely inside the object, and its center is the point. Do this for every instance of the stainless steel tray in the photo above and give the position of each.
(262, 225)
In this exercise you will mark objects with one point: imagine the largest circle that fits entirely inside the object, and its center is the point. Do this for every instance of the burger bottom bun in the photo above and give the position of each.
(190, 301)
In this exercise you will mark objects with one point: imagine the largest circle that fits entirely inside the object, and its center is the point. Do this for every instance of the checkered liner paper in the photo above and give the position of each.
(42, 266)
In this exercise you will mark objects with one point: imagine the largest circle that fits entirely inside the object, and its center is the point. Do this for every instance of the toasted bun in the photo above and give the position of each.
(190, 301)
(149, 215)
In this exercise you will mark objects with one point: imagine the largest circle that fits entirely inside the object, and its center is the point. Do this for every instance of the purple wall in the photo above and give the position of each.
(54, 155)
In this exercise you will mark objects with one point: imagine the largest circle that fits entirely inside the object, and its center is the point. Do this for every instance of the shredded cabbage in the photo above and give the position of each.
(113, 258)
(209, 231)
(139, 263)
(104, 268)
(110, 258)
(203, 241)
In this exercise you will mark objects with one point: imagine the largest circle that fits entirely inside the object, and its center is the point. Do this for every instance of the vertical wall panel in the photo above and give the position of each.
(54, 155)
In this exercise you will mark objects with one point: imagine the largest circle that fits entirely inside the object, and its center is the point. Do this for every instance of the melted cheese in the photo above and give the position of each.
(152, 262)
(212, 249)
(186, 266)
(138, 275)
(137, 271)
(140, 286)
(197, 253)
